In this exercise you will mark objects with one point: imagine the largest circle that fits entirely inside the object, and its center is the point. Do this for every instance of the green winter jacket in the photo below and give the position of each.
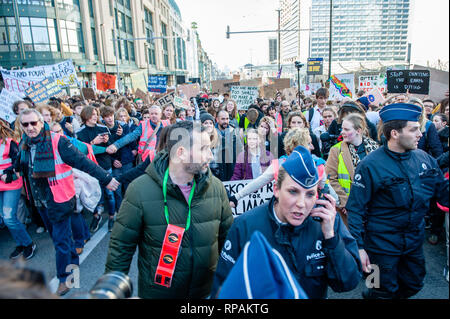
(141, 221)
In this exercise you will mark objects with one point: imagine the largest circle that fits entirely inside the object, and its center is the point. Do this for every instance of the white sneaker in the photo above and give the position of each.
(40, 230)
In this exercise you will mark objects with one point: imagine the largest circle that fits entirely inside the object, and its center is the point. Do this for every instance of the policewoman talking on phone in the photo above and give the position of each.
(179, 215)
(313, 240)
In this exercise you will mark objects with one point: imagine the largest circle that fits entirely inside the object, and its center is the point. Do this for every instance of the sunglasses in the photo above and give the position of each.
(33, 123)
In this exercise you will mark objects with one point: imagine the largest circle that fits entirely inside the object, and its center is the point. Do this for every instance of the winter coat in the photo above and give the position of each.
(141, 222)
(430, 142)
(243, 168)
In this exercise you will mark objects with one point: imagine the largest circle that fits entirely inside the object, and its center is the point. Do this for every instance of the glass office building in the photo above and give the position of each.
(363, 30)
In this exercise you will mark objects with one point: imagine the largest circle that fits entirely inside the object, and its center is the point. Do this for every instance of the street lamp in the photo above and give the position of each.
(298, 65)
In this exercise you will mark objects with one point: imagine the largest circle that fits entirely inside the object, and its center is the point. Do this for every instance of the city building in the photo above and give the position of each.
(273, 50)
(151, 36)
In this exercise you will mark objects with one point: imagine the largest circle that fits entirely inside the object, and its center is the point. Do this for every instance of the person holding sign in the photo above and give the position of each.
(319, 253)
(178, 211)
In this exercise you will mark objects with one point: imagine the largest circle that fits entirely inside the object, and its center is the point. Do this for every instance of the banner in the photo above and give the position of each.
(105, 81)
(157, 84)
(181, 103)
(342, 86)
(139, 80)
(244, 96)
(252, 200)
(166, 100)
(41, 92)
(19, 80)
(187, 91)
(7, 99)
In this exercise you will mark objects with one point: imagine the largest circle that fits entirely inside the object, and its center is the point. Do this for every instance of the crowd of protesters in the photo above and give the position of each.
(121, 148)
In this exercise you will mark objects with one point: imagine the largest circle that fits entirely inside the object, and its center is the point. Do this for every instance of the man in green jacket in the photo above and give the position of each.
(195, 201)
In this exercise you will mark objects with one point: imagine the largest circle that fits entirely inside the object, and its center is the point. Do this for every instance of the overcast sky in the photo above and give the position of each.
(429, 29)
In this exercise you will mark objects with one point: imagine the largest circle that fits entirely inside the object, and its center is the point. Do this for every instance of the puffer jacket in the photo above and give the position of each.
(141, 222)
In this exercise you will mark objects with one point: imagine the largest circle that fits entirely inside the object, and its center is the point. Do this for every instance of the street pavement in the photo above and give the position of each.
(94, 256)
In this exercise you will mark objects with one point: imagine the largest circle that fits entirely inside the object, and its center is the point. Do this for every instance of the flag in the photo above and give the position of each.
(279, 72)
(105, 81)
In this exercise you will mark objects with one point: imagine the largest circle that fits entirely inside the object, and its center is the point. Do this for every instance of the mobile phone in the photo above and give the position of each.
(322, 197)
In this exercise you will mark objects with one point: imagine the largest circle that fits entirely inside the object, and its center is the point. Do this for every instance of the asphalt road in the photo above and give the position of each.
(94, 257)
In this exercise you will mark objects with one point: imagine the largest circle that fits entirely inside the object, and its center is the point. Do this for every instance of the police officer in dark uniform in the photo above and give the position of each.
(318, 253)
(388, 200)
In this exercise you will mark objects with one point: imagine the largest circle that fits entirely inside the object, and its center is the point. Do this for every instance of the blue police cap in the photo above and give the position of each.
(301, 168)
(400, 111)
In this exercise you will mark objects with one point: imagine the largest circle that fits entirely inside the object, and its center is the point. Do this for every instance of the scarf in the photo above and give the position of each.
(44, 162)
(369, 146)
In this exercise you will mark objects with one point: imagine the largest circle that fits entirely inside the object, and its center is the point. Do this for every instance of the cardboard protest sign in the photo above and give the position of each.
(143, 96)
(244, 96)
(89, 93)
(188, 90)
(166, 100)
(342, 86)
(139, 80)
(311, 88)
(7, 99)
(19, 80)
(157, 84)
(415, 81)
(41, 92)
(290, 94)
(251, 201)
(105, 81)
(181, 103)
(373, 97)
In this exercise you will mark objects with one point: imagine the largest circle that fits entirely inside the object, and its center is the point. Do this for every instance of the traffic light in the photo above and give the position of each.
(228, 31)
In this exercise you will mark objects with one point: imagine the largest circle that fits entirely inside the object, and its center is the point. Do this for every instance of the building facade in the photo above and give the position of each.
(151, 36)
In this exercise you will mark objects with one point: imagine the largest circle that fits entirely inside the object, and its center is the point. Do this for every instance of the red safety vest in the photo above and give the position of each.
(90, 153)
(147, 131)
(5, 162)
(62, 186)
(279, 121)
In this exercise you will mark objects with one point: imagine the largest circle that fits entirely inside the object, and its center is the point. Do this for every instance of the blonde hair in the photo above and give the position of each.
(270, 121)
(120, 110)
(358, 122)
(296, 137)
(5, 131)
(53, 111)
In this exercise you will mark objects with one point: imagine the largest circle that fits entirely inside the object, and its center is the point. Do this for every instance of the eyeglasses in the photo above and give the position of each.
(33, 123)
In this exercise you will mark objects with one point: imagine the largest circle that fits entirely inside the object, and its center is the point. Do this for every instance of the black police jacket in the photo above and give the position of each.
(315, 262)
(389, 198)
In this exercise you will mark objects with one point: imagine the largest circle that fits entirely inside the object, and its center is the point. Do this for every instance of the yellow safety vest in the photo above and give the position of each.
(343, 174)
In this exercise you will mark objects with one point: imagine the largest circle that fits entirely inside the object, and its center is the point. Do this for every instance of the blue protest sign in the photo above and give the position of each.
(157, 84)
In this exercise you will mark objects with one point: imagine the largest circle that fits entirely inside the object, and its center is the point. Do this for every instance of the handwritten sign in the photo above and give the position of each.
(7, 99)
(415, 81)
(244, 96)
(181, 103)
(166, 100)
(251, 201)
(41, 92)
(157, 84)
(187, 91)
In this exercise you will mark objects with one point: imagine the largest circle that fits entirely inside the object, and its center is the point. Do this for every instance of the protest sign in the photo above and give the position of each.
(157, 84)
(244, 96)
(311, 88)
(290, 94)
(139, 80)
(373, 97)
(42, 91)
(415, 81)
(19, 80)
(369, 82)
(181, 103)
(342, 86)
(143, 96)
(187, 91)
(252, 200)
(105, 81)
(7, 99)
(166, 100)
(89, 93)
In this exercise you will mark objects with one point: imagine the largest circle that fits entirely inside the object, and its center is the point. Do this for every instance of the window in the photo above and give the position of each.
(72, 37)
(94, 41)
(8, 35)
(165, 45)
(39, 34)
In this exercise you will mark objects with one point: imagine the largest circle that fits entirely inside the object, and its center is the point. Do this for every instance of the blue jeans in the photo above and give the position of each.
(109, 197)
(80, 229)
(9, 201)
(65, 253)
(118, 193)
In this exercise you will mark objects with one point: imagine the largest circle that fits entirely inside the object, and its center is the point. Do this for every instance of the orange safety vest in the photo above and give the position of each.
(5, 162)
(62, 186)
(279, 121)
(147, 131)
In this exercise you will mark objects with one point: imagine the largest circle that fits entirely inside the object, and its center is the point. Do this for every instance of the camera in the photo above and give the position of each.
(298, 65)
(328, 140)
(113, 285)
